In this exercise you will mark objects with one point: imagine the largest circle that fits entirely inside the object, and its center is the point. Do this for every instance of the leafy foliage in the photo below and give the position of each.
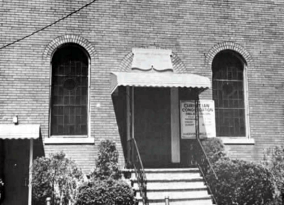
(57, 177)
(105, 186)
(274, 161)
(107, 162)
(241, 182)
(105, 192)
(1, 190)
(214, 149)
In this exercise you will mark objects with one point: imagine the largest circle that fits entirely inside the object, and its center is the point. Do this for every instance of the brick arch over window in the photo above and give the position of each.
(178, 66)
(228, 46)
(57, 42)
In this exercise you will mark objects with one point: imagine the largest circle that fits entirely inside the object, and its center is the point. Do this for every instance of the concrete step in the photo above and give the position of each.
(176, 194)
(184, 201)
(169, 174)
(191, 169)
(174, 185)
(172, 170)
(172, 175)
(166, 180)
(182, 186)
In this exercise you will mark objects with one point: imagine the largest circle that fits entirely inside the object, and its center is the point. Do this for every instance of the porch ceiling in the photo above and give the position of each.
(8, 131)
(151, 79)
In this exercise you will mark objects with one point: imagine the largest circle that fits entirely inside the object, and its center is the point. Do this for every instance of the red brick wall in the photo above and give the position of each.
(112, 28)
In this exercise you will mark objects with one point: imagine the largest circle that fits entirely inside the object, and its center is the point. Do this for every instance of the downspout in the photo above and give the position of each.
(30, 172)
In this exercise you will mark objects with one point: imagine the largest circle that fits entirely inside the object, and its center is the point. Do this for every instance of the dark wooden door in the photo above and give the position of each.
(16, 172)
(152, 126)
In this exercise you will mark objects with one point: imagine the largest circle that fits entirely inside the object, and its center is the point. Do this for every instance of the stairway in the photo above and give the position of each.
(182, 186)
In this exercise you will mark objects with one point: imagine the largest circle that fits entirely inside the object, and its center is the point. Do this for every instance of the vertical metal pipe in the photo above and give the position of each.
(167, 201)
(132, 121)
(128, 112)
(128, 125)
(197, 119)
(30, 172)
(132, 112)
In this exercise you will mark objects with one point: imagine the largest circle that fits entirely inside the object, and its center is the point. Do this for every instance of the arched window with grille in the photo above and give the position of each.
(228, 68)
(69, 91)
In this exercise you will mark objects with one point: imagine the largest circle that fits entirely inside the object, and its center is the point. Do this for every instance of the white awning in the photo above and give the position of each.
(151, 79)
(10, 131)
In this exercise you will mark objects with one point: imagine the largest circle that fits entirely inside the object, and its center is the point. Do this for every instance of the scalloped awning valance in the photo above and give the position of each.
(8, 131)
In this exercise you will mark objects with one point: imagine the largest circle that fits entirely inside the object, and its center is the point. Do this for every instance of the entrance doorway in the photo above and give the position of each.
(152, 126)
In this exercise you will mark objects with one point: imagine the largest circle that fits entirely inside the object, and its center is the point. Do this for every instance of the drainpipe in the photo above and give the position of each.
(30, 172)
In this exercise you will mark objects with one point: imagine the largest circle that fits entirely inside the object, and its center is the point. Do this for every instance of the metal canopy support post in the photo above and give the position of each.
(128, 112)
(175, 132)
(30, 171)
(132, 124)
(132, 112)
(197, 119)
(128, 124)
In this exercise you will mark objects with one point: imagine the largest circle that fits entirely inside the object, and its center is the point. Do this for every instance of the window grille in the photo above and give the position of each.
(69, 95)
(228, 94)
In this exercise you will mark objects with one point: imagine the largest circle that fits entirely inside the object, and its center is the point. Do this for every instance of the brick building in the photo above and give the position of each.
(77, 78)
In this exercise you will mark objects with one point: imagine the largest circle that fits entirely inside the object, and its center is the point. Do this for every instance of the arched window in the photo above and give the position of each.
(228, 69)
(69, 92)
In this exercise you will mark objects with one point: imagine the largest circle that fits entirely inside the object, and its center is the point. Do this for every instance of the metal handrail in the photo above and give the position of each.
(137, 164)
(198, 157)
(198, 138)
(202, 170)
(207, 159)
(208, 185)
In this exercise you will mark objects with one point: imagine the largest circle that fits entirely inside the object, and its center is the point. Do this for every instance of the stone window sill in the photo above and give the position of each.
(237, 141)
(69, 140)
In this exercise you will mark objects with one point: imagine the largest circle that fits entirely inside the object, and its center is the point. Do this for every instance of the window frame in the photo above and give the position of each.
(239, 139)
(70, 138)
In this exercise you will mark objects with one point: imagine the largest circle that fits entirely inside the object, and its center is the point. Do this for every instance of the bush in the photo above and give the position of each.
(214, 149)
(56, 177)
(274, 161)
(105, 192)
(241, 182)
(105, 186)
(107, 162)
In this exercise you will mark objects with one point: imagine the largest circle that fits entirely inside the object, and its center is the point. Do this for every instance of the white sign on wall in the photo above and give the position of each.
(207, 128)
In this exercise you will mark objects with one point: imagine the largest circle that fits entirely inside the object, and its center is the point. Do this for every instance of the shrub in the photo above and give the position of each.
(107, 162)
(241, 182)
(214, 149)
(105, 186)
(274, 161)
(105, 192)
(56, 177)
